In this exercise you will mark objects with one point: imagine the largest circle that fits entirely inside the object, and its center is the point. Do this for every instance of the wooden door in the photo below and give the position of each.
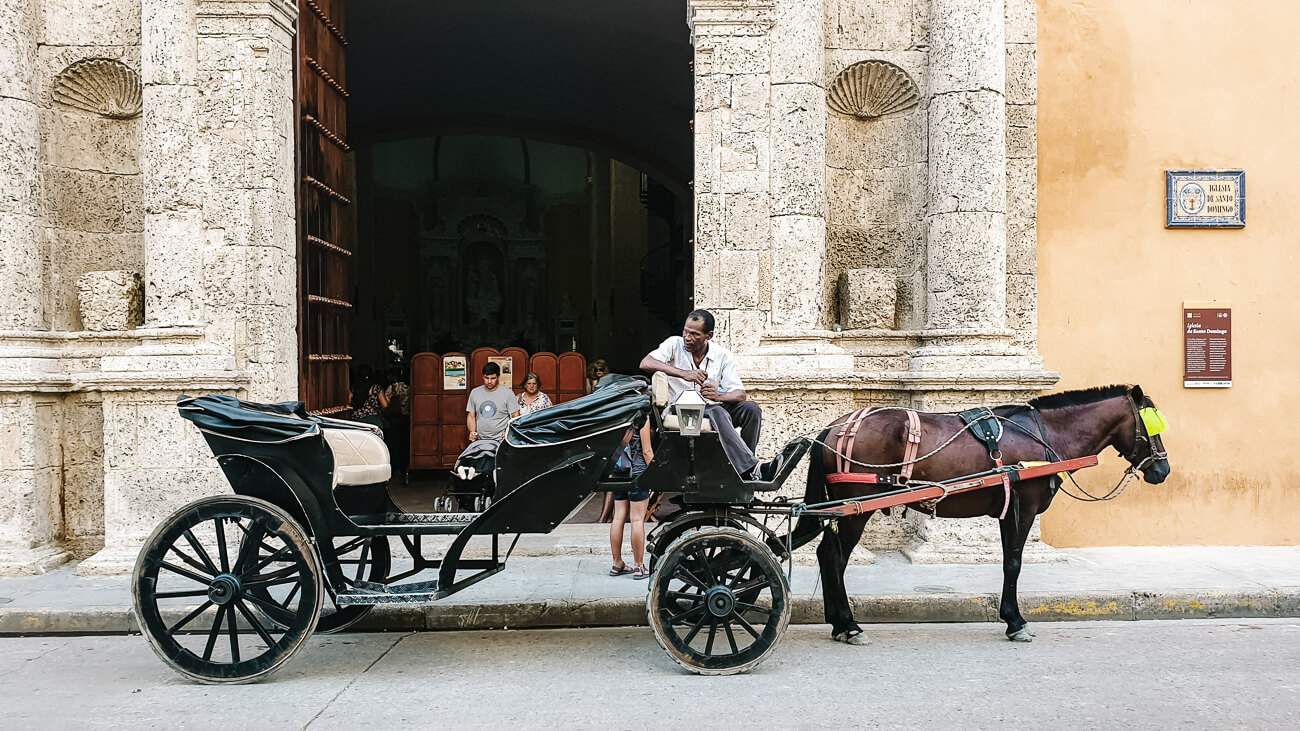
(326, 228)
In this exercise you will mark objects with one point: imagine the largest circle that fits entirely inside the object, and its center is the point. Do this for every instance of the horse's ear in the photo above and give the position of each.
(1136, 393)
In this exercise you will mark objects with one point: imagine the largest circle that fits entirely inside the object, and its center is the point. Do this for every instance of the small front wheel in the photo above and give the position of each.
(227, 589)
(719, 602)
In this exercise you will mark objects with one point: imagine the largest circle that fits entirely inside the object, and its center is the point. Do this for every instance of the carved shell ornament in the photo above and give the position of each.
(871, 89)
(100, 85)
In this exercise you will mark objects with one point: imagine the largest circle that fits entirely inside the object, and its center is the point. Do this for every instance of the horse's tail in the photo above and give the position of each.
(808, 528)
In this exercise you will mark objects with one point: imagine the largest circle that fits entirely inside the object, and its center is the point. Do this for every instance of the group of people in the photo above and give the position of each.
(691, 361)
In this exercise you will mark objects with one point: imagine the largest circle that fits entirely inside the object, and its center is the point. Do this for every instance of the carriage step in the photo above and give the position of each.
(365, 592)
(426, 518)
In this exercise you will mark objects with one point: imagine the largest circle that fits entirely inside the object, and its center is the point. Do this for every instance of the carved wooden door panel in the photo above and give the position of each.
(326, 183)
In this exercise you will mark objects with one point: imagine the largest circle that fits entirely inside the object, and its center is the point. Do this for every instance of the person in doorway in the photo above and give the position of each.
(596, 371)
(631, 505)
(490, 406)
(692, 361)
(532, 399)
(370, 396)
(397, 415)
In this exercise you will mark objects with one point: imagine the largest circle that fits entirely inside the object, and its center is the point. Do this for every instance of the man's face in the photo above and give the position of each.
(490, 381)
(697, 341)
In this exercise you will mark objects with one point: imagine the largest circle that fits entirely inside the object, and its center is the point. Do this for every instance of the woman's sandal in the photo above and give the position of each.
(640, 572)
(620, 570)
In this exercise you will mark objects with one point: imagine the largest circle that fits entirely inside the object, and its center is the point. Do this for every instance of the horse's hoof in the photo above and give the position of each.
(1021, 635)
(852, 638)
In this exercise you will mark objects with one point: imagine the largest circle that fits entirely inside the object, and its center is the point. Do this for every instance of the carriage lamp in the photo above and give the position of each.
(690, 413)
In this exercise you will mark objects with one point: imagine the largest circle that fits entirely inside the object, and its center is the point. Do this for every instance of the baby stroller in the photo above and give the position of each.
(472, 485)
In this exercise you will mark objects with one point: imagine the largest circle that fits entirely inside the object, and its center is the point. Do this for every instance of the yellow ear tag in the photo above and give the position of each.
(1154, 420)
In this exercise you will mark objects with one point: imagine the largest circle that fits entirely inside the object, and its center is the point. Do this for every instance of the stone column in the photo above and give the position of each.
(966, 218)
(172, 165)
(798, 173)
(21, 289)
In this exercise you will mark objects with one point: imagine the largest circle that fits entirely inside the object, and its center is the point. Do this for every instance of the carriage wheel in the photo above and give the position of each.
(202, 573)
(658, 542)
(719, 602)
(360, 558)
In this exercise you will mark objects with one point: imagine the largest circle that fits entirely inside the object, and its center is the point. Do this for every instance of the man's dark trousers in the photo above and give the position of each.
(737, 425)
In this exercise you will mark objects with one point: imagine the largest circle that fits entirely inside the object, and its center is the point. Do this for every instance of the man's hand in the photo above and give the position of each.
(473, 436)
(699, 377)
(709, 390)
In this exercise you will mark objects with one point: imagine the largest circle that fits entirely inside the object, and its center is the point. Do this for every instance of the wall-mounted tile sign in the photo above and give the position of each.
(1205, 198)
(1207, 345)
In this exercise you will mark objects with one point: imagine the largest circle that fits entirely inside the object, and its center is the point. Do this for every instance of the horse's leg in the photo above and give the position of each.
(1015, 531)
(833, 558)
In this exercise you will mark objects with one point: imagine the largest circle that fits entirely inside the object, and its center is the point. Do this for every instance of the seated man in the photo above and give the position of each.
(693, 362)
(490, 406)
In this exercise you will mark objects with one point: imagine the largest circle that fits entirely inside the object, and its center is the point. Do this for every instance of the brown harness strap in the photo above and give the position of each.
(913, 444)
(847, 434)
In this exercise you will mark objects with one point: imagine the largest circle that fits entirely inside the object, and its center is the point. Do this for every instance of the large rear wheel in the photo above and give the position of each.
(718, 601)
(227, 589)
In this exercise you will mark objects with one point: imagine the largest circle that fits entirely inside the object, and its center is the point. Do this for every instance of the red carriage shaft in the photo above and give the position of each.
(907, 495)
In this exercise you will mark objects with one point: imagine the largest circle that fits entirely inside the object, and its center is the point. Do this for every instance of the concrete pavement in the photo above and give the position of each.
(1195, 674)
(573, 590)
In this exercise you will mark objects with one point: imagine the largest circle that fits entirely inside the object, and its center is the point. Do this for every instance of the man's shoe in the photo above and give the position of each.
(767, 471)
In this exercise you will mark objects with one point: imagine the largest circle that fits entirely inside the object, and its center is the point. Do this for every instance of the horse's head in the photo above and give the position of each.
(1144, 450)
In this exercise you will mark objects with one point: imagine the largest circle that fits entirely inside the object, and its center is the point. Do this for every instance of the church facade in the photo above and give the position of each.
(863, 191)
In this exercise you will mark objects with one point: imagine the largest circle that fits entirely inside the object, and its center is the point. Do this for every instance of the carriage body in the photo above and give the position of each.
(303, 544)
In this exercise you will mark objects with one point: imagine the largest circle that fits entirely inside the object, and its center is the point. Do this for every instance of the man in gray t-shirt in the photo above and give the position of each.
(490, 406)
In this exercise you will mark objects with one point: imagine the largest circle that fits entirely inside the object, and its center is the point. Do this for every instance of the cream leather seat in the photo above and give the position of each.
(659, 391)
(360, 456)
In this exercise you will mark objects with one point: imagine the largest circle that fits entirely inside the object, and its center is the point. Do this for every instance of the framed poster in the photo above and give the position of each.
(454, 373)
(1207, 345)
(1205, 199)
(507, 369)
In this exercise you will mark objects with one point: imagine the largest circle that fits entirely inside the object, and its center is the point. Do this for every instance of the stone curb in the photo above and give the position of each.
(1036, 606)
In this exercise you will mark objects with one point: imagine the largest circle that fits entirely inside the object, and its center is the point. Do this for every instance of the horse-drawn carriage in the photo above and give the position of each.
(230, 587)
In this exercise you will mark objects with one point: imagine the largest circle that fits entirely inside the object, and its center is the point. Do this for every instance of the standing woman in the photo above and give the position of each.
(632, 504)
(532, 399)
(397, 416)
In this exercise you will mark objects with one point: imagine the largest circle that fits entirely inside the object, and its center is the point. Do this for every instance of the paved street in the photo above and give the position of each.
(1204, 673)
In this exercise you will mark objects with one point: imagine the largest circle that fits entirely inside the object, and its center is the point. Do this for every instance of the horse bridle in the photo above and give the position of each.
(1140, 435)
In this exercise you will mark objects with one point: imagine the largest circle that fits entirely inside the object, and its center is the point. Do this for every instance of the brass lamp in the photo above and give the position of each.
(690, 413)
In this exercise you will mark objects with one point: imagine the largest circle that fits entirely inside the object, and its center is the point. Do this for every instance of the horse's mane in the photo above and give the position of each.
(1078, 397)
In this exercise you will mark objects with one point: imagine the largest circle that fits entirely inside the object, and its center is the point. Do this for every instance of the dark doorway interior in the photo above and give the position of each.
(522, 176)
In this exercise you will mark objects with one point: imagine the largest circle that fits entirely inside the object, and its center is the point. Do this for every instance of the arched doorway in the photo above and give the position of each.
(502, 174)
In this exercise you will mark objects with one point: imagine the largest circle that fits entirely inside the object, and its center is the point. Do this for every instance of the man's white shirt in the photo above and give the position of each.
(718, 362)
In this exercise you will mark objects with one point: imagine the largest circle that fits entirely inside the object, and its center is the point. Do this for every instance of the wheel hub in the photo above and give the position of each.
(224, 589)
(720, 600)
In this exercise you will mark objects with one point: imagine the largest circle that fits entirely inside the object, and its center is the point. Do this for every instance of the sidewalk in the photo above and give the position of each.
(574, 591)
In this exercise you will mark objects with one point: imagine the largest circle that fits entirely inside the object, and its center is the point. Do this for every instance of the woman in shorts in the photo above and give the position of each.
(632, 504)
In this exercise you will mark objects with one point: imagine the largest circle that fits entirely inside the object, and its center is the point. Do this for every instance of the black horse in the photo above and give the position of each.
(1049, 428)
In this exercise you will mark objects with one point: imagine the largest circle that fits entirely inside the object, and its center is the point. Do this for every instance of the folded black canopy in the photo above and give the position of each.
(254, 422)
(617, 401)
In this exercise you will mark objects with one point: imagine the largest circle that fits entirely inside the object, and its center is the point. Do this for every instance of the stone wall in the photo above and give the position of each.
(90, 161)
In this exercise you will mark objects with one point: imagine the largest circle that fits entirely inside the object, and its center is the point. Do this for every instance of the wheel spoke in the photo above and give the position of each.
(708, 644)
(749, 561)
(189, 560)
(713, 575)
(221, 544)
(694, 630)
(361, 564)
(189, 618)
(292, 593)
(213, 633)
(185, 572)
(257, 626)
(743, 623)
(762, 584)
(685, 574)
(179, 594)
(248, 545)
(755, 608)
(234, 635)
(269, 559)
(276, 612)
(201, 552)
(685, 595)
(272, 578)
(678, 617)
(731, 639)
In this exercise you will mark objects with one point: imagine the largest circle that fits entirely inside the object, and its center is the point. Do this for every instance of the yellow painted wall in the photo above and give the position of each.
(1127, 90)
